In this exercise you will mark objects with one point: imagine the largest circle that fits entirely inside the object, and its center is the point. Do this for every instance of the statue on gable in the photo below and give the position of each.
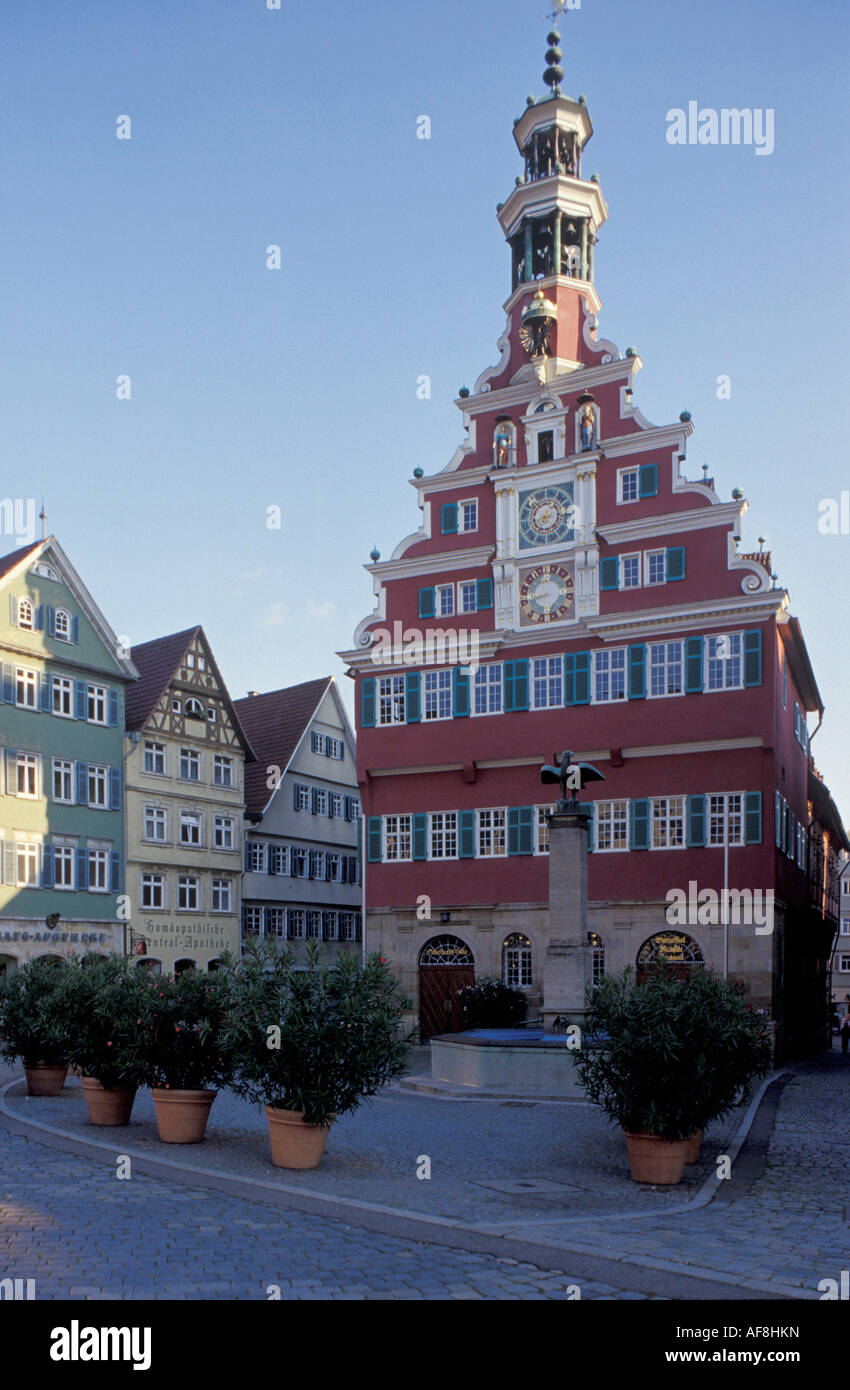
(587, 422)
(502, 443)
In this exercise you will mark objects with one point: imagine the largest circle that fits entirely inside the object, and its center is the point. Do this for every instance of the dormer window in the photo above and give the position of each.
(63, 625)
(25, 614)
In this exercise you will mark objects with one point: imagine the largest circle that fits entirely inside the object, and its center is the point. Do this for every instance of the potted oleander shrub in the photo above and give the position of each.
(312, 1042)
(27, 1024)
(181, 1053)
(490, 1003)
(100, 1009)
(665, 1058)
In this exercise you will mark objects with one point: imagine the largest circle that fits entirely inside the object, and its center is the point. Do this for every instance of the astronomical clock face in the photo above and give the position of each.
(546, 595)
(546, 517)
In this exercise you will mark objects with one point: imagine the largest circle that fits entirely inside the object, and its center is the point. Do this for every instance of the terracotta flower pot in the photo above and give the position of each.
(181, 1116)
(108, 1105)
(295, 1144)
(694, 1146)
(654, 1160)
(44, 1079)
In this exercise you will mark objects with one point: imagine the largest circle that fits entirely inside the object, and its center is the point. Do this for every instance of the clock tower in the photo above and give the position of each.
(569, 586)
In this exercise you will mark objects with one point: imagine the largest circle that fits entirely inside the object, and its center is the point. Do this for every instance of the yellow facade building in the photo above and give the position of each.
(185, 753)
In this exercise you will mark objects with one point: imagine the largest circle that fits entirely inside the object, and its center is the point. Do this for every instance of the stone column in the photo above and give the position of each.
(568, 967)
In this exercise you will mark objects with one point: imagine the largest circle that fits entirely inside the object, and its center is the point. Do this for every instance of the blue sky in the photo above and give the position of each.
(253, 388)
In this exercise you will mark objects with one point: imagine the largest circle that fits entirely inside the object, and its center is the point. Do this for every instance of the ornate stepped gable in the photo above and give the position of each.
(563, 489)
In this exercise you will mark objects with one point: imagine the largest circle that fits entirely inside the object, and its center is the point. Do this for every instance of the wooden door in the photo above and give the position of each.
(439, 1007)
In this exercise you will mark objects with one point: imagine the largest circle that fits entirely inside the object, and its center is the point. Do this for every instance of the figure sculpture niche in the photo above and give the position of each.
(571, 776)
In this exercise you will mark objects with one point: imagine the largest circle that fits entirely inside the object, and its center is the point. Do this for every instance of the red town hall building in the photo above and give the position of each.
(570, 587)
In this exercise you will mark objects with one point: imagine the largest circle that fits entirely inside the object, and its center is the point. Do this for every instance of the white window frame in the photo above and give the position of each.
(622, 473)
(665, 821)
(607, 654)
(98, 870)
(156, 751)
(553, 672)
(541, 830)
(727, 663)
(153, 885)
(257, 857)
(221, 895)
(97, 704)
(636, 556)
(64, 768)
(155, 817)
(728, 814)
(611, 822)
(28, 784)
(467, 590)
(492, 833)
(65, 855)
(192, 759)
(665, 666)
(26, 615)
(62, 697)
(492, 686)
(186, 883)
(224, 837)
(648, 557)
(443, 834)
(391, 701)
(436, 696)
(398, 839)
(444, 606)
(98, 782)
(191, 820)
(27, 855)
(463, 528)
(26, 685)
(223, 764)
(296, 925)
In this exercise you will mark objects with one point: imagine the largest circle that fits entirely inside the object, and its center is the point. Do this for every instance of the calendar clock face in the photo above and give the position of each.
(546, 595)
(546, 517)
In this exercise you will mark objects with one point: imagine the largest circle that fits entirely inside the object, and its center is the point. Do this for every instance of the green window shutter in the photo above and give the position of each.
(675, 563)
(637, 673)
(466, 821)
(13, 610)
(752, 818)
(420, 837)
(648, 480)
(577, 678)
(696, 822)
(460, 692)
(375, 850)
(639, 823)
(449, 519)
(367, 703)
(520, 685)
(10, 866)
(412, 685)
(427, 603)
(609, 573)
(508, 686)
(752, 657)
(7, 674)
(693, 666)
(520, 830)
(777, 820)
(484, 594)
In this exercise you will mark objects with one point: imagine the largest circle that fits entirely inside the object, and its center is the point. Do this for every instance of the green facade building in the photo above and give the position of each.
(62, 826)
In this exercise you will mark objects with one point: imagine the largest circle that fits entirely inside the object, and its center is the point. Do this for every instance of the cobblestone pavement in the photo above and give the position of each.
(788, 1233)
(80, 1233)
(480, 1151)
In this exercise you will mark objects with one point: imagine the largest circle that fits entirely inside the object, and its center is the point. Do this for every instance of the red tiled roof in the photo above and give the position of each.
(275, 723)
(8, 562)
(156, 663)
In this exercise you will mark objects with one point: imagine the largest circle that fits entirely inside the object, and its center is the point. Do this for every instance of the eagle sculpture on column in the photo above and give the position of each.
(586, 773)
